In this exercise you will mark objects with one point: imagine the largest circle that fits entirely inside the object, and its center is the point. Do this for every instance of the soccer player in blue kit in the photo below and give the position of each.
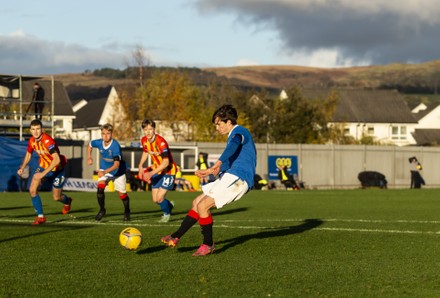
(235, 169)
(111, 168)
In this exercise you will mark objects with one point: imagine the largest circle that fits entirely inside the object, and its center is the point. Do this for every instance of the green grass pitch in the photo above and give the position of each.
(325, 243)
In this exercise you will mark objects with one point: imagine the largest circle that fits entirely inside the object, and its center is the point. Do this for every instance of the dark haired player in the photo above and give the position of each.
(235, 169)
(51, 168)
(163, 171)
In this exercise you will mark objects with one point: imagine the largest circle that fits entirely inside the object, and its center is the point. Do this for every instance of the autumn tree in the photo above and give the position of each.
(170, 97)
(298, 120)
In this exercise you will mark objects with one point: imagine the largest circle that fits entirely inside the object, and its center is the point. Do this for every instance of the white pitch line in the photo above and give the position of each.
(141, 224)
(335, 220)
(379, 231)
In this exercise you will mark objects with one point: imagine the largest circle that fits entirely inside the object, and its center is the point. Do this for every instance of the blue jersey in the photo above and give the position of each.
(242, 161)
(108, 155)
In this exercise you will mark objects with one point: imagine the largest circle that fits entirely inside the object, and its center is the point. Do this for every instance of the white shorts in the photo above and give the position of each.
(226, 189)
(119, 182)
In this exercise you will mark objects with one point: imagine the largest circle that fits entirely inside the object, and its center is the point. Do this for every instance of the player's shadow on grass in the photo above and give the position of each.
(307, 225)
(14, 208)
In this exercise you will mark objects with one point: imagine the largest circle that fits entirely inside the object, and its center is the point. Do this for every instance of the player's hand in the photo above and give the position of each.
(20, 171)
(147, 176)
(207, 172)
(200, 173)
(215, 171)
(89, 161)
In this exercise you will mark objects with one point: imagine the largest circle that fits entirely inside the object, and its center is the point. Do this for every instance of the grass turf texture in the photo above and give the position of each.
(350, 243)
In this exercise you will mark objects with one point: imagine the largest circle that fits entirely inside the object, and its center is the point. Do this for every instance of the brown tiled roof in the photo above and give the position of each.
(366, 106)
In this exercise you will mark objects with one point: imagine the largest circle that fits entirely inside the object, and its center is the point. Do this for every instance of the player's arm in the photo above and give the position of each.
(214, 170)
(89, 154)
(144, 157)
(163, 165)
(26, 160)
(115, 166)
(56, 160)
(220, 165)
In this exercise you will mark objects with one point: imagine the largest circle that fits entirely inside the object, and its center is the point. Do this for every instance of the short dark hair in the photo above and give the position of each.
(107, 126)
(147, 122)
(36, 122)
(224, 113)
(412, 158)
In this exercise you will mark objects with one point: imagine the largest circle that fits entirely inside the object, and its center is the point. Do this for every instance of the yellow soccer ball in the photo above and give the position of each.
(130, 238)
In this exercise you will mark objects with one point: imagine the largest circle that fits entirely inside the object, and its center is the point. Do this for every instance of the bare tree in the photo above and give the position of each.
(142, 59)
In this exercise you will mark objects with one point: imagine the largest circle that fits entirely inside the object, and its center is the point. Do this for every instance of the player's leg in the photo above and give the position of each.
(190, 219)
(206, 222)
(58, 179)
(36, 200)
(101, 200)
(160, 186)
(227, 189)
(165, 205)
(121, 187)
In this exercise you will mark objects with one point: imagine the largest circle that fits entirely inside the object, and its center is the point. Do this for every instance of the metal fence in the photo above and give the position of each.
(321, 166)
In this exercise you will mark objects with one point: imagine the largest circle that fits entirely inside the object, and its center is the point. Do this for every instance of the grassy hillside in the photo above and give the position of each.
(406, 77)
(420, 80)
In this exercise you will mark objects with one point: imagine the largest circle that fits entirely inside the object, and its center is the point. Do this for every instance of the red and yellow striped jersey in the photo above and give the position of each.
(44, 148)
(158, 150)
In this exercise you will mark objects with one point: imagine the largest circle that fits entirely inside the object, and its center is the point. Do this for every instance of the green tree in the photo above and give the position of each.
(170, 97)
(299, 120)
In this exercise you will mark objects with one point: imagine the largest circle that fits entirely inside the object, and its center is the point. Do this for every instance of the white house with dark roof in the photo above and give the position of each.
(427, 131)
(92, 113)
(381, 114)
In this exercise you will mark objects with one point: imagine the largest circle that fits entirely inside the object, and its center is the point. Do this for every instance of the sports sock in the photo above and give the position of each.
(206, 225)
(101, 197)
(165, 207)
(190, 219)
(126, 201)
(38, 206)
(66, 200)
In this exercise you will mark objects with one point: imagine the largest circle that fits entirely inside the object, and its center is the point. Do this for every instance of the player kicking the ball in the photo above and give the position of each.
(235, 169)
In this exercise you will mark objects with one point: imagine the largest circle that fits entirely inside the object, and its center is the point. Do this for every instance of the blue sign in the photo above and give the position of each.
(277, 161)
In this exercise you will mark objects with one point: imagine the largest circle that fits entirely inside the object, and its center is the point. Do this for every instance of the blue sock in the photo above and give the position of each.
(165, 207)
(38, 206)
(65, 200)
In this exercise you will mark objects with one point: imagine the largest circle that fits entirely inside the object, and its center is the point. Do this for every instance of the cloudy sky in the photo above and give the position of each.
(51, 37)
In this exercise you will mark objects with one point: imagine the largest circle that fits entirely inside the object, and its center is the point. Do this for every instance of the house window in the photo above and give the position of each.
(398, 132)
(403, 132)
(59, 123)
(346, 131)
(370, 131)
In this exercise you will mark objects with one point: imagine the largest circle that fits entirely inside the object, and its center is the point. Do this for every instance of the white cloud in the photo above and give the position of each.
(345, 31)
(21, 53)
